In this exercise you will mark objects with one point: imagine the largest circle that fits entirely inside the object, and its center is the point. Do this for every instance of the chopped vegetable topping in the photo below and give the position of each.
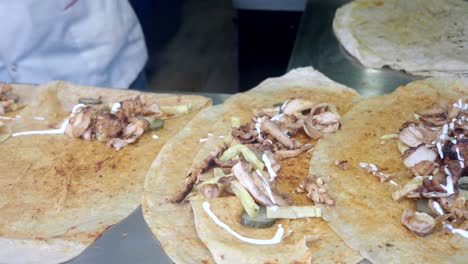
(248, 203)
(248, 155)
(176, 109)
(293, 212)
(90, 101)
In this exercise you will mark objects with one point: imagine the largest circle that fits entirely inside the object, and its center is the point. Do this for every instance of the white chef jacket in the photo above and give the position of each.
(90, 42)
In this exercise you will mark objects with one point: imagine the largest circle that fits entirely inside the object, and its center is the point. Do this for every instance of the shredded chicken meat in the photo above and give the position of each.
(7, 99)
(436, 147)
(420, 223)
(316, 189)
(257, 149)
(117, 129)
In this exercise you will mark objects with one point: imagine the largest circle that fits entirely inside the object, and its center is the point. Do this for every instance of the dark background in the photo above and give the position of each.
(213, 45)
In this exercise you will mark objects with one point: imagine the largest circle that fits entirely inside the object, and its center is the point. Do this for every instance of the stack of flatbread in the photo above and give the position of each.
(420, 37)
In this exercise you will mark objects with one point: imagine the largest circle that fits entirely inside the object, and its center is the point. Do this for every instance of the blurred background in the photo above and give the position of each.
(223, 46)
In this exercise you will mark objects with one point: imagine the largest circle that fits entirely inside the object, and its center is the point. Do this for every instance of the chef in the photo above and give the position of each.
(98, 43)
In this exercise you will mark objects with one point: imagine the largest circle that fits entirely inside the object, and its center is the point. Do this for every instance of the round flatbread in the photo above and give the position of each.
(185, 231)
(421, 37)
(59, 194)
(365, 215)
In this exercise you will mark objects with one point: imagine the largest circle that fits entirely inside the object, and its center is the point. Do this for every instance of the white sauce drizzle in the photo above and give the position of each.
(39, 118)
(270, 170)
(277, 117)
(363, 165)
(221, 137)
(7, 118)
(393, 182)
(371, 167)
(438, 208)
(77, 107)
(452, 125)
(60, 130)
(267, 186)
(210, 135)
(444, 132)
(460, 158)
(283, 106)
(258, 125)
(154, 136)
(18, 116)
(458, 104)
(449, 186)
(459, 231)
(115, 107)
(275, 240)
(439, 149)
(203, 139)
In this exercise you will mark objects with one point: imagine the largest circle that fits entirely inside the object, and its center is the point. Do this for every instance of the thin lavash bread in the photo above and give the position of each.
(365, 215)
(59, 194)
(183, 230)
(421, 37)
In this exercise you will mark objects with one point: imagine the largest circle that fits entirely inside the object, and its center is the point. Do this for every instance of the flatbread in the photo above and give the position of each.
(27, 94)
(59, 194)
(365, 215)
(421, 37)
(172, 224)
(186, 237)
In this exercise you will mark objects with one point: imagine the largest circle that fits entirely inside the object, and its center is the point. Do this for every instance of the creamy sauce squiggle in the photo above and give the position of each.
(461, 232)
(267, 186)
(438, 208)
(275, 240)
(60, 130)
(270, 170)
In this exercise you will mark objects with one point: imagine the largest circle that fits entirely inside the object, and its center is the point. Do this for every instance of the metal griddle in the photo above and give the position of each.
(131, 241)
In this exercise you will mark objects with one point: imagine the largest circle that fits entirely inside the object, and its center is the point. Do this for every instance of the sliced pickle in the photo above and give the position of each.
(422, 206)
(13, 96)
(90, 101)
(463, 186)
(155, 123)
(259, 221)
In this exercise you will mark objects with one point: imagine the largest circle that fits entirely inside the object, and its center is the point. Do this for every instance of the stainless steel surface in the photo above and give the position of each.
(317, 46)
(131, 240)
